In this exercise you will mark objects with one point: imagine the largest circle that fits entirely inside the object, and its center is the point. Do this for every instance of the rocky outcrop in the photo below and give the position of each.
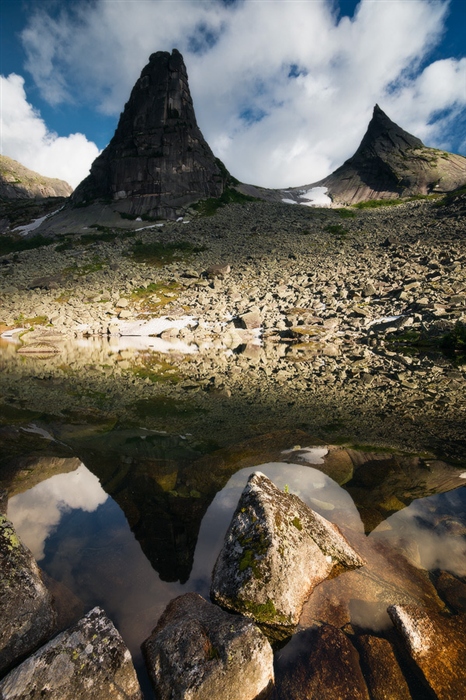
(157, 162)
(26, 612)
(88, 661)
(276, 551)
(18, 182)
(437, 645)
(319, 664)
(200, 652)
(391, 163)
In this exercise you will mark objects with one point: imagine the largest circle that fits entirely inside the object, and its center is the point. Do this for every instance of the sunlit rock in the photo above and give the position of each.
(26, 612)
(89, 660)
(276, 551)
(437, 645)
(382, 673)
(200, 652)
(320, 664)
(452, 590)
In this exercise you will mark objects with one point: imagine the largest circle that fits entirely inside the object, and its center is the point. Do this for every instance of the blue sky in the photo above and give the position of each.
(283, 89)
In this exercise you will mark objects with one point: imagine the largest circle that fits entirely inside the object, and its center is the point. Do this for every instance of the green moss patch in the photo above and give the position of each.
(159, 254)
(208, 207)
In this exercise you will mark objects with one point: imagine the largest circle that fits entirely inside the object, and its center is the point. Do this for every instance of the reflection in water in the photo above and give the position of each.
(37, 512)
(83, 540)
(431, 532)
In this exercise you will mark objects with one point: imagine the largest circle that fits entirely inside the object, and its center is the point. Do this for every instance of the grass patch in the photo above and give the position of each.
(155, 368)
(34, 321)
(208, 207)
(94, 265)
(13, 244)
(346, 213)
(375, 203)
(162, 407)
(336, 230)
(159, 254)
(453, 344)
(451, 197)
(155, 295)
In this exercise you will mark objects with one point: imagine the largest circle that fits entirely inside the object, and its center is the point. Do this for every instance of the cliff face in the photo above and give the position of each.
(157, 161)
(392, 163)
(18, 182)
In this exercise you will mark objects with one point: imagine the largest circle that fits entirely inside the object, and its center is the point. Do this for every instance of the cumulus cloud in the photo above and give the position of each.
(26, 138)
(283, 91)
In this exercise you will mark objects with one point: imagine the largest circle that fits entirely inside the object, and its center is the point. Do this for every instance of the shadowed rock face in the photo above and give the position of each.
(390, 162)
(157, 161)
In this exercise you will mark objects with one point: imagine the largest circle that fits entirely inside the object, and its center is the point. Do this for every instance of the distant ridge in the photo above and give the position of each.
(18, 182)
(158, 160)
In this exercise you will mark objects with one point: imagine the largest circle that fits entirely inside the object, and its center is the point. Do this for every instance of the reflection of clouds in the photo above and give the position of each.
(315, 488)
(425, 532)
(38, 511)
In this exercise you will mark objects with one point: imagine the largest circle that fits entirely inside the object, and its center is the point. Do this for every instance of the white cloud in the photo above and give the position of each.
(270, 127)
(37, 512)
(24, 137)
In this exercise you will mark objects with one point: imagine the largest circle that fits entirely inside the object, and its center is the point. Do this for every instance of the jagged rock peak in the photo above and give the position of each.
(383, 133)
(391, 163)
(158, 160)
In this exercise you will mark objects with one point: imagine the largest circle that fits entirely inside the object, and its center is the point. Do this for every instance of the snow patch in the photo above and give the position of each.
(317, 197)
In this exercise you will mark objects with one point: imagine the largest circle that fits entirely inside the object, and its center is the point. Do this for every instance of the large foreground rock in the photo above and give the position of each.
(26, 613)
(437, 645)
(319, 664)
(199, 652)
(276, 551)
(86, 662)
(381, 670)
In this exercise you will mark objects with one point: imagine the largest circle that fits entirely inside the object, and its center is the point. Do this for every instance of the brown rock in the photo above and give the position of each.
(452, 590)
(383, 675)
(437, 645)
(251, 320)
(319, 664)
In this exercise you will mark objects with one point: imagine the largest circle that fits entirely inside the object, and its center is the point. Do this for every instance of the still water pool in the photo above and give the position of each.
(82, 539)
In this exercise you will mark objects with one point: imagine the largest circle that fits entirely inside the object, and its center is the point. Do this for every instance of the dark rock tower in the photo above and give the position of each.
(158, 161)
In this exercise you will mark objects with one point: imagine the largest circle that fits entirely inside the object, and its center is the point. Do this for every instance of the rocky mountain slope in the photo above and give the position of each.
(391, 163)
(158, 160)
(18, 182)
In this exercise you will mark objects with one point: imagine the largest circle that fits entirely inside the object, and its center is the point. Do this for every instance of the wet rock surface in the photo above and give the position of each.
(201, 652)
(382, 673)
(88, 661)
(319, 664)
(276, 551)
(437, 645)
(26, 612)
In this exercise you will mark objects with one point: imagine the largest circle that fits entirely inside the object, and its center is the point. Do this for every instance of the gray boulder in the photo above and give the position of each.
(26, 612)
(86, 662)
(276, 551)
(199, 652)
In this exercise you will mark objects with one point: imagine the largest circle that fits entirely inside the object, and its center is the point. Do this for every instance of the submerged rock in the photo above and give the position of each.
(26, 612)
(383, 675)
(200, 652)
(276, 551)
(437, 645)
(88, 661)
(319, 664)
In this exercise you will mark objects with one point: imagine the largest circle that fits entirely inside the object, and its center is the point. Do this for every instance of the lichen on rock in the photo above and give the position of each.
(275, 552)
(199, 652)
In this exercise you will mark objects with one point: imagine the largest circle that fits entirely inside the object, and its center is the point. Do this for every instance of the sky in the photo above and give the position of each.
(283, 90)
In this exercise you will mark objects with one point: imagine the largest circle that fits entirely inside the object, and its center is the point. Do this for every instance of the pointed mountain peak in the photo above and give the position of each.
(384, 134)
(158, 161)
